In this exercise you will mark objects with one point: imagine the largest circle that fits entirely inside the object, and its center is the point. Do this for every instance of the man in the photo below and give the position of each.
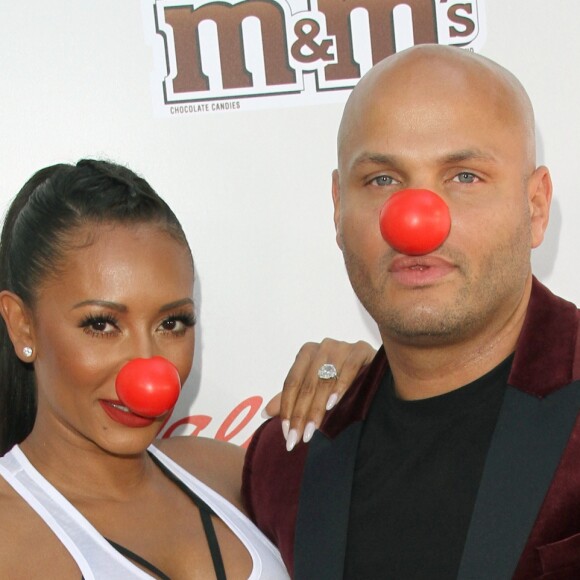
(456, 453)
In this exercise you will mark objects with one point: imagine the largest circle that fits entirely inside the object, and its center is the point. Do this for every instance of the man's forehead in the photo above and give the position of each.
(411, 64)
(427, 77)
(398, 120)
(398, 80)
(426, 83)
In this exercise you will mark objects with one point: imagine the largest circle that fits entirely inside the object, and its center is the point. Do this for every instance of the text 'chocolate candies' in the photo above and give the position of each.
(148, 387)
(415, 221)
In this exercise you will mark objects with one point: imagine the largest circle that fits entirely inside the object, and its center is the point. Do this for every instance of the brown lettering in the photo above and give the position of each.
(465, 21)
(228, 18)
(381, 30)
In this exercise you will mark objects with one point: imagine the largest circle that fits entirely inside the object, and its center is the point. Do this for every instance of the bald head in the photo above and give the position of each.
(427, 75)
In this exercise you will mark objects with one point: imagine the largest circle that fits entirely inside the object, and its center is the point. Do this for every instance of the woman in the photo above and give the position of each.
(95, 270)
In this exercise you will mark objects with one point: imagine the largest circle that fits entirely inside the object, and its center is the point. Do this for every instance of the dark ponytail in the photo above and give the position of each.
(52, 204)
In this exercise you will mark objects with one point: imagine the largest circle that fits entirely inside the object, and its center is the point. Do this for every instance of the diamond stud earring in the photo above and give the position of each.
(27, 351)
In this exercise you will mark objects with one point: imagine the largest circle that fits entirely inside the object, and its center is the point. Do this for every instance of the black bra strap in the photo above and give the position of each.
(205, 512)
(138, 559)
(213, 544)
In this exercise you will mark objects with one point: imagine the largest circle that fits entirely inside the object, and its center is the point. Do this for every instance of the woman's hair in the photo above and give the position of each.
(37, 230)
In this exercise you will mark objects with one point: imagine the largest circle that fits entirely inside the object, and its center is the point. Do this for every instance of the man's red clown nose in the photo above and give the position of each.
(415, 221)
(148, 387)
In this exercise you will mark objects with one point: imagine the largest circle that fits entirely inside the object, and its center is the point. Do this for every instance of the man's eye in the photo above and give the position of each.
(383, 180)
(466, 177)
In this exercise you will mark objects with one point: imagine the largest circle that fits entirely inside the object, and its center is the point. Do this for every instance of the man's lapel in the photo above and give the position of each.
(525, 450)
(324, 505)
(533, 428)
(322, 521)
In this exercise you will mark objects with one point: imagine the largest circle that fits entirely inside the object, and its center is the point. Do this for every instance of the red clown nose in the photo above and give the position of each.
(148, 386)
(415, 221)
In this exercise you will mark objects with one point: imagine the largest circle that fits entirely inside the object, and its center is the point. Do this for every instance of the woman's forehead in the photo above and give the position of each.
(111, 258)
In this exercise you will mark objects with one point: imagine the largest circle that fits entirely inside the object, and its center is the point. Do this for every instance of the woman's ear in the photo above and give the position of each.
(18, 320)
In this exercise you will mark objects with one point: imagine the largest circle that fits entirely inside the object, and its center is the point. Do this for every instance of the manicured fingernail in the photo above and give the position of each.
(332, 400)
(291, 441)
(285, 428)
(309, 431)
(265, 414)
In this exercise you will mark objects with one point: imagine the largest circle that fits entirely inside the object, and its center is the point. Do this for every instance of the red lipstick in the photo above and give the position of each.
(120, 414)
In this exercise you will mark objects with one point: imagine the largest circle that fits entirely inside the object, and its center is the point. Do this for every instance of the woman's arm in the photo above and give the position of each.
(305, 397)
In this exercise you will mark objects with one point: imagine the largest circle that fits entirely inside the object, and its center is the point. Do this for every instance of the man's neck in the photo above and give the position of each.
(421, 372)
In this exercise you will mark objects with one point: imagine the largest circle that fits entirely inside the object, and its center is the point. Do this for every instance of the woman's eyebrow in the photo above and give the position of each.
(102, 303)
(176, 304)
(122, 308)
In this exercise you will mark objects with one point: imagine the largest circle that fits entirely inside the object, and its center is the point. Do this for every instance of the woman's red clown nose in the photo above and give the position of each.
(148, 387)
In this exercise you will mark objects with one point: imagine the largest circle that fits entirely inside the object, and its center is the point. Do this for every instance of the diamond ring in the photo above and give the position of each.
(327, 371)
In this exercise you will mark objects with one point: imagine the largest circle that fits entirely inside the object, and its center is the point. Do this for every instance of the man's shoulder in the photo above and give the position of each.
(272, 474)
(547, 356)
(270, 471)
(271, 485)
(356, 402)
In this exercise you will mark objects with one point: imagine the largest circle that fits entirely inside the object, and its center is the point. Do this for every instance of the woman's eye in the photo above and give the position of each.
(177, 324)
(171, 324)
(383, 180)
(100, 325)
(466, 177)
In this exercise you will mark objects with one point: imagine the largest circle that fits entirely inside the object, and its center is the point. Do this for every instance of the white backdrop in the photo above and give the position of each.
(251, 187)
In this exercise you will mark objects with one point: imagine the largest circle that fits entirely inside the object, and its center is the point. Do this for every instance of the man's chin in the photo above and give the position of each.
(425, 329)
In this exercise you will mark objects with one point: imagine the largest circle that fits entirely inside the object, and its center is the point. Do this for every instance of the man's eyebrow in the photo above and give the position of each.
(375, 158)
(468, 155)
(454, 157)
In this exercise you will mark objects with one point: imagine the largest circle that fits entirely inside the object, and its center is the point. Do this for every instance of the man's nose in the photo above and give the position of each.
(415, 221)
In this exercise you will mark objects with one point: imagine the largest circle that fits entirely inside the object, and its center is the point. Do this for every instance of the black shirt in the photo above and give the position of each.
(418, 469)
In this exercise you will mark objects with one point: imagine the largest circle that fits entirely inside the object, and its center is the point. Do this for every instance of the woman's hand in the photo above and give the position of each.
(306, 397)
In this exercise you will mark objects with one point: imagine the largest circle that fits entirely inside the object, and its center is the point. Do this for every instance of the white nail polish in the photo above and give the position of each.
(285, 428)
(291, 441)
(332, 400)
(309, 431)
(265, 414)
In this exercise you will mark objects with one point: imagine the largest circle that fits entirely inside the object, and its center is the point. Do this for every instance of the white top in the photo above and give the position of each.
(94, 556)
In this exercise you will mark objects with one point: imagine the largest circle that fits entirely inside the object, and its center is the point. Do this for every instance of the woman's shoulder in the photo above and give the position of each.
(27, 543)
(216, 463)
(16, 516)
(10, 502)
(16, 513)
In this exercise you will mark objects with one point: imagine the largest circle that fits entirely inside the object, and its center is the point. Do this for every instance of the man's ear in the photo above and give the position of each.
(18, 320)
(336, 202)
(539, 190)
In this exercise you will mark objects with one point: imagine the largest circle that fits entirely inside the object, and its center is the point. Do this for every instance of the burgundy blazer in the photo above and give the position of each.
(526, 519)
